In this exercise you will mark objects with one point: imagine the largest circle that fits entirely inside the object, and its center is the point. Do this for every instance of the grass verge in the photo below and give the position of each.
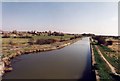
(103, 69)
(112, 60)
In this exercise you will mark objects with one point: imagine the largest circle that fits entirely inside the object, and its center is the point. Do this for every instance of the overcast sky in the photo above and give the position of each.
(73, 17)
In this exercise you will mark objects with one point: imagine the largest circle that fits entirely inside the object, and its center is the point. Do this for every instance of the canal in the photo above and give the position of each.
(70, 62)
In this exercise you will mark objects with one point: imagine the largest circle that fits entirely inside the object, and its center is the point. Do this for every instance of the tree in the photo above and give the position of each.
(100, 39)
(109, 42)
(6, 35)
(14, 31)
(49, 33)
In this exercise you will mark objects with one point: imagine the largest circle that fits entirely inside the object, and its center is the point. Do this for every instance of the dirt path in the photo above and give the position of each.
(110, 66)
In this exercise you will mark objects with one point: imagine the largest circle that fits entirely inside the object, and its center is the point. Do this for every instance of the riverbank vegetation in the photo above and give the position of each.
(110, 50)
(101, 67)
(111, 56)
(14, 40)
(18, 43)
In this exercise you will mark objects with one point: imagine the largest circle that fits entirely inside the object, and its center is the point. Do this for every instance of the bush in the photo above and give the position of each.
(22, 37)
(45, 41)
(5, 36)
(31, 41)
(100, 39)
(72, 38)
(11, 42)
(56, 34)
(62, 40)
(109, 42)
(96, 67)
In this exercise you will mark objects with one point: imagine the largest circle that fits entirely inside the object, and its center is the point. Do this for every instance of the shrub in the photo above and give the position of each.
(5, 36)
(11, 42)
(96, 67)
(45, 41)
(62, 40)
(31, 41)
(72, 38)
(100, 39)
(24, 37)
(109, 42)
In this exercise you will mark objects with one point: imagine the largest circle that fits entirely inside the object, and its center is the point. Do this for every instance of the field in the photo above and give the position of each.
(12, 45)
(65, 37)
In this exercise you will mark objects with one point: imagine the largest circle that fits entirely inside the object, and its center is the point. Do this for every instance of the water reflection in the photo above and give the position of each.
(71, 62)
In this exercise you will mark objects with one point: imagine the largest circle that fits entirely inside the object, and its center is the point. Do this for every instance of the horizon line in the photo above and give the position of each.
(58, 31)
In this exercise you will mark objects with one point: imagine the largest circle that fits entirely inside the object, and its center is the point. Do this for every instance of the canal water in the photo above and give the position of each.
(70, 62)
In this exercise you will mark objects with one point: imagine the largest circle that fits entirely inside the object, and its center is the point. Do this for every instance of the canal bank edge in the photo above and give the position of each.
(1, 69)
(5, 64)
(94, 62)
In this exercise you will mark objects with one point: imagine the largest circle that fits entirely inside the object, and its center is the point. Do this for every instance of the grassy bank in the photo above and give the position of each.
(111, 56)
(101, 66)
(12, 47)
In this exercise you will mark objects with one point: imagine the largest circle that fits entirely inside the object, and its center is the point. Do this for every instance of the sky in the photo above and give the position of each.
(72, 17)
(60, 0)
